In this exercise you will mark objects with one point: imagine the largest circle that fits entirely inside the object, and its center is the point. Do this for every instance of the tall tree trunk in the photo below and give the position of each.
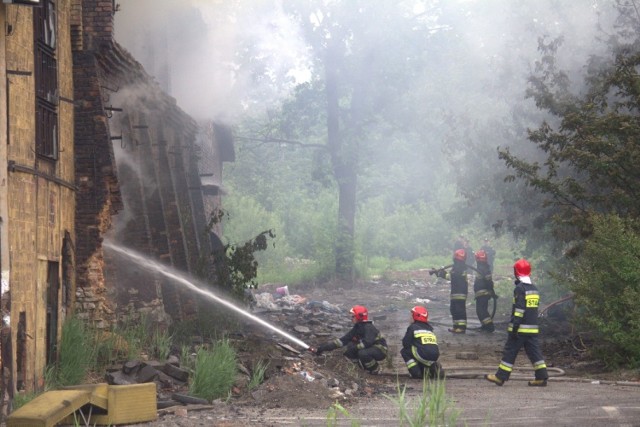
(344, 170)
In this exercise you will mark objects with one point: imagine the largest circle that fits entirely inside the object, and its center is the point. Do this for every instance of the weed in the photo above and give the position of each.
(161, 344)
(334, 411)
(257, 374)
(75, 355)
(433, 408)
(21, 399)
(215, 371)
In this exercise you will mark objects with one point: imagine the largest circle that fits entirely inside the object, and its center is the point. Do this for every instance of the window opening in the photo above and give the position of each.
(46, 77)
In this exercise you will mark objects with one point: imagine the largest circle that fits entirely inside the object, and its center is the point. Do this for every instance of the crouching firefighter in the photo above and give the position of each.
(364, 343)
(523, 329)
(420, 349)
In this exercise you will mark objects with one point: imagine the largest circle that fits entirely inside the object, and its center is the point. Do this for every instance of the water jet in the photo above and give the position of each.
(180, 278)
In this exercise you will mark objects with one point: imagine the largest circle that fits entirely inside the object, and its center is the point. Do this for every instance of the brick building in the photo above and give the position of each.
(93, 149)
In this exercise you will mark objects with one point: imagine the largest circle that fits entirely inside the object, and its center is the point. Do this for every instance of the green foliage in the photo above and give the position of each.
(214, 372)
(606, 282)
(590, 140)
(75, 355)
(235, 263)
(21, 399)
(404, 232)
(433, 408)
(136, 332)
(308, 235)
(160, 345)
(257, 374)
(335, 411)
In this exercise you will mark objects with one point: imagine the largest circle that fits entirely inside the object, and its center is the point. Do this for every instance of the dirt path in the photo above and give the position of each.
(289, 398)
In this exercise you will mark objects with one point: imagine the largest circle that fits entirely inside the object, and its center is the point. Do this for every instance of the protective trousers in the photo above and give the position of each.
(458, 309)
(367, 357)
(531, 347)
(420, 367)
(482, 310)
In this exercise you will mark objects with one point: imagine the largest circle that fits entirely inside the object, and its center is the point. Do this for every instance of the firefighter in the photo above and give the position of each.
(459, 290)
(364, 343)
(523, 329)
(420, 347)
(483, 290)
(491, 253)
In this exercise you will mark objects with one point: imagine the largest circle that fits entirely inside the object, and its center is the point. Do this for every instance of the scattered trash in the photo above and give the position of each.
(307, 376)
(283, 290)
(324, 306)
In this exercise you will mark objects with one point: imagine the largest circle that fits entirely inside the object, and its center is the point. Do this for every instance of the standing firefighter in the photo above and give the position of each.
(483, 290)
(459, 291)
(363, 342)
(523, 329)
(420, 347)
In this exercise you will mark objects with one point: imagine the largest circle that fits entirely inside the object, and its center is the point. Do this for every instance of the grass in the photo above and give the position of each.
(257, 374)
(433, 407)
(215, 371)
(161, 344)
(334, 412)
(76, 355)
(21, 399)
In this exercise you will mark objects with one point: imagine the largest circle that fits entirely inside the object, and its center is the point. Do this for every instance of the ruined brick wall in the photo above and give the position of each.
(98, 196)
(137, 182)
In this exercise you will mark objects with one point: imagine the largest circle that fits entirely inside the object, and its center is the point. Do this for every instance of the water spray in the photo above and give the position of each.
(180, 278)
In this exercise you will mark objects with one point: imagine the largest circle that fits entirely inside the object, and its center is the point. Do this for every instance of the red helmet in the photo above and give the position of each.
(420, 314)
(360, 313)
(460, 255)
(481, 256)
(521, 268)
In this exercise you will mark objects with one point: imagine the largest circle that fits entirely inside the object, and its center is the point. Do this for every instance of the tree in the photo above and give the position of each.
(590, 139)
(364, 57)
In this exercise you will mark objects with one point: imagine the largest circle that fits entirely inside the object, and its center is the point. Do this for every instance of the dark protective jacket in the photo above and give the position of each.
(458, 275)
(524, 312)
(483, 283)
(420, 339)
(363, 335)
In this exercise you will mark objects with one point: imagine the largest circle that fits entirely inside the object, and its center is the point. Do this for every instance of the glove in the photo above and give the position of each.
(322, 348)
(514, 333)
(442, 273)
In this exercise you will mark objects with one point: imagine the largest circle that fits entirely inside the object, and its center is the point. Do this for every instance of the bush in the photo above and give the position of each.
(606, 282)
(215, 371)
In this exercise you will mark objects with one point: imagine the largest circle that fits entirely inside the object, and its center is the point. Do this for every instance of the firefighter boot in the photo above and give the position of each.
(456, 330)
(494, 379)
(538, 383)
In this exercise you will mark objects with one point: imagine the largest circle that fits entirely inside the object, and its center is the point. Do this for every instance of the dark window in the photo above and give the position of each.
(46, 75)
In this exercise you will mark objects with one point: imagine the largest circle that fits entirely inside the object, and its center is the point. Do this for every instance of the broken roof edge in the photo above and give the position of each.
(120, 67)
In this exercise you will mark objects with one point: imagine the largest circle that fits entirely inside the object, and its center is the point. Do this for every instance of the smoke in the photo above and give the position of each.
(192, 49)
(220, 58)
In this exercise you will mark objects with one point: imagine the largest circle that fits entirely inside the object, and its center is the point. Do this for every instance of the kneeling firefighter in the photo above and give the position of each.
(420, 349)
(363, 342)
